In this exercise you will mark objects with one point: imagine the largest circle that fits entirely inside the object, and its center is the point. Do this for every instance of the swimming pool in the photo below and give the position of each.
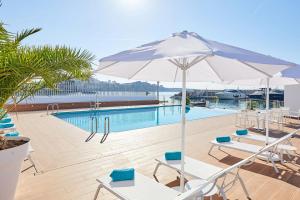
(125, 119)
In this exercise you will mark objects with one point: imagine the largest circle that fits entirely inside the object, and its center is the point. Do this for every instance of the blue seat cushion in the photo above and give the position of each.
(5, 120)
(223, 139)
(12, 134)
(122, 174)
(241, 132)
(6, 125)
(175, 155)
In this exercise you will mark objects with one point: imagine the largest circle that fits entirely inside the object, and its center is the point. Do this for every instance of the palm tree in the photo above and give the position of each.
(26, 69)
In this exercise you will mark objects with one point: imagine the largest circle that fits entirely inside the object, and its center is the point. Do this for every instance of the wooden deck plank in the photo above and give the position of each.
(70, 166)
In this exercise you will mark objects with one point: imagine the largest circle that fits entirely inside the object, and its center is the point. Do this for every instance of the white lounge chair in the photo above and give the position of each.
(141, 187)
(270, 155)
(200, 170)
(144, 188)
(13, 128)
(254, 137)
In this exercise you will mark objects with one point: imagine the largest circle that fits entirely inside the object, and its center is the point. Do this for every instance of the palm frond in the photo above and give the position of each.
(25, 33)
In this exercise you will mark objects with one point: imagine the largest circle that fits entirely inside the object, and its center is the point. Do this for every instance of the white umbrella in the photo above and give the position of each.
(186, 57)
(290, 76)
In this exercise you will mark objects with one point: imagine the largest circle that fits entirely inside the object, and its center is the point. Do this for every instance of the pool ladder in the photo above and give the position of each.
(52, 105)
(106, 129)
(94, 128)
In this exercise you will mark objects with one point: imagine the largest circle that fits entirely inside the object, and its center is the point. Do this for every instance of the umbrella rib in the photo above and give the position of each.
(143, 67)
(218, 75)
(176, 63)
(252, 67)
(98, 70)
(197, 60)
(176, 73)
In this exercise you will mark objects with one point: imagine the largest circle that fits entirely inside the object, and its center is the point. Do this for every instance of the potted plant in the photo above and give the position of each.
(23, 71)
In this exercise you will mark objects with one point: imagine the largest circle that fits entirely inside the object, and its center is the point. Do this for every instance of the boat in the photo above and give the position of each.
(275, 94)
(231, 94)
(259, 94)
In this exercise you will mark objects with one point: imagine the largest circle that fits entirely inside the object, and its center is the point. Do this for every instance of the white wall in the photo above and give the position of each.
(86, 98)
(292, 97)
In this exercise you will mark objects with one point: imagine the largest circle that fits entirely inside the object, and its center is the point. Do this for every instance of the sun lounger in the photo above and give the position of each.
(198, 170)
(194, 168)
(144, 188)
(259, 138)
(270, 155)
(13, 128)
(140, 188)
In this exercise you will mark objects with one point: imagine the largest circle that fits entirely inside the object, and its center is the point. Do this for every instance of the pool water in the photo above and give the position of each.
(135, 118)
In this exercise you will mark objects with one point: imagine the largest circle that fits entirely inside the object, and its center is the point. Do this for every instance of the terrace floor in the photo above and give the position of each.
(69, 166)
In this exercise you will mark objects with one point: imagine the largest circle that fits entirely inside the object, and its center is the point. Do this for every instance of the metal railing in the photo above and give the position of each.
(94, 128)
(106, 129)
(52, 106)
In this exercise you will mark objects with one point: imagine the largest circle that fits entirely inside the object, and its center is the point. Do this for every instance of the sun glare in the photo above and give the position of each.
(132, 4)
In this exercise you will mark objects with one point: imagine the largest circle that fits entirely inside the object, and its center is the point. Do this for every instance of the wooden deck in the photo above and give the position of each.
(69, 166)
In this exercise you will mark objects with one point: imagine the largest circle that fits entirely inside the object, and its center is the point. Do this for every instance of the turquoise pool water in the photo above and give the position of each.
(135, 118)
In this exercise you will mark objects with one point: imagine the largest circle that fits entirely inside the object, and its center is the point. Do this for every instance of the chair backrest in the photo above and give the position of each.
(230, 169)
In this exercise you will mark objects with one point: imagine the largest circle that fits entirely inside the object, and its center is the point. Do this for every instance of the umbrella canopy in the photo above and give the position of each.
(290, 76)
(186, 57)
(212, 61)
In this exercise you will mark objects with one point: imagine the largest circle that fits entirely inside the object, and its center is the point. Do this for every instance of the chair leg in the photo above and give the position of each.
(156, 168)
(222, 193)
(243, 186)
(32, 163)
(212, 146)
(97, 191)
(274, 166)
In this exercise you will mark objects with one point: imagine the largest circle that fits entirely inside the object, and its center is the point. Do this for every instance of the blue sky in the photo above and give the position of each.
(105, 27)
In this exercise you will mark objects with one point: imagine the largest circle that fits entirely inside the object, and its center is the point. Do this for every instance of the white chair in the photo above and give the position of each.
(293, 114)
(276, 117)
(242, 119)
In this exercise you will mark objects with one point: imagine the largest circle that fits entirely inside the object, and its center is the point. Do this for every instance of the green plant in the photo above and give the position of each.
(26, 69)
(252, 105)
(187, 101)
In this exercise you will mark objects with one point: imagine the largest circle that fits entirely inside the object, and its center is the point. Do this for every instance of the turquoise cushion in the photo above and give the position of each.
(241, 132)
(122, 174)
(5, 120)
(12, 134)
(223, 139)
(6, 125)
(175, 155)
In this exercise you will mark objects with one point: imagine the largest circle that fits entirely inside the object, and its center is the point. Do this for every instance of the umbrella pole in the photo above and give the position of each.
(267, 110)
(183, 105)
